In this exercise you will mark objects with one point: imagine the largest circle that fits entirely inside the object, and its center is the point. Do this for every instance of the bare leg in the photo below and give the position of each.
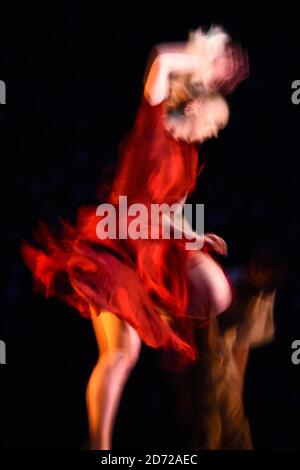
(210, 291)
(119, 348)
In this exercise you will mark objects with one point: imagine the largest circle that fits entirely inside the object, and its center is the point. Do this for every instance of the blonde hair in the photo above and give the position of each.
(209, 46)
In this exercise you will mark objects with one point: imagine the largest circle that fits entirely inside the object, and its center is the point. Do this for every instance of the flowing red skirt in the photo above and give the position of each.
(141, 281)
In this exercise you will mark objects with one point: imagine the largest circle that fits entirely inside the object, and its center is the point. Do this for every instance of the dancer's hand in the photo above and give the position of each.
(228, 70)
(215, 243)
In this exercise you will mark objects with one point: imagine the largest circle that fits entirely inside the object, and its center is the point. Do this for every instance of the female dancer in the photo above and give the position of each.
(150, 290)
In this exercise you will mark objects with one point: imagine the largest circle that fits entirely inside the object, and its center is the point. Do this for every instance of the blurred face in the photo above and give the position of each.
(202, 120)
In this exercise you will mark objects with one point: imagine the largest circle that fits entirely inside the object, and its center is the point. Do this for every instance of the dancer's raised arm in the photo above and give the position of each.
(170, 59)
(209, 61)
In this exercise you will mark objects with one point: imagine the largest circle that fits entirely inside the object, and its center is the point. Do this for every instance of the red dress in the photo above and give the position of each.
(134, 279)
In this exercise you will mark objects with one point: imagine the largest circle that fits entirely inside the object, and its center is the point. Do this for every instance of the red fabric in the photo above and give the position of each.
(127, 277)
(154, 166)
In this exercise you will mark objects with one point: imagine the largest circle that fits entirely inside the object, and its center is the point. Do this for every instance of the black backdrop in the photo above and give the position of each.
(73, 75)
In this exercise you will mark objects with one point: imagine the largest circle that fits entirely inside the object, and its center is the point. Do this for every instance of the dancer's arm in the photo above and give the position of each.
(157, 81)
(227, 70)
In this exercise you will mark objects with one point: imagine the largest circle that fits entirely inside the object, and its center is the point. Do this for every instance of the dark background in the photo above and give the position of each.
(74, 79)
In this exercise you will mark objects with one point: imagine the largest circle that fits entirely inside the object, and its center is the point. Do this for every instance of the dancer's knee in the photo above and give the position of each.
(222, 297)
(209, 285)
(118, 359)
